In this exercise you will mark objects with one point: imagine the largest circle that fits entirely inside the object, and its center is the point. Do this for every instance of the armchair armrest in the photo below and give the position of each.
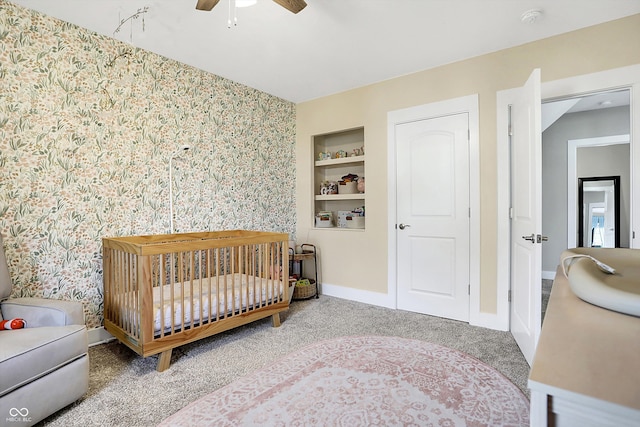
(38, 312)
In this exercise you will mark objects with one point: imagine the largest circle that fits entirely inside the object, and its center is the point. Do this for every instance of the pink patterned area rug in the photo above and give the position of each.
(364, 381)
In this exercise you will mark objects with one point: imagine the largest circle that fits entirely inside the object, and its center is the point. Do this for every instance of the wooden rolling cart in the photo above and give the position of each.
(304, 290)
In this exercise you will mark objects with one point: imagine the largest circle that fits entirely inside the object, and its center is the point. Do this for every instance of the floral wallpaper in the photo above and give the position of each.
(87, 127)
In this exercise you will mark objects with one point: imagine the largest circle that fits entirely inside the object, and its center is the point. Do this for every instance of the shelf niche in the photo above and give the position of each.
(350, 141)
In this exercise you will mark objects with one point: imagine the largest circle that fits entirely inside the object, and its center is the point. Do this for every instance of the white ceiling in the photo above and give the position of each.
(554, 109)
(332, 45)
(607, 99)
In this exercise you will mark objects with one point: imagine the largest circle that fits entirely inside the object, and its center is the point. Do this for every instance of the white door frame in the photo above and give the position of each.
(625, 77)
(469, 105)
(572, 178)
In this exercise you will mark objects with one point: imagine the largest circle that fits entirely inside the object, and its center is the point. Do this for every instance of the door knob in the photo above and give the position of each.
(403, 226)
(531, 238)
(536, 238)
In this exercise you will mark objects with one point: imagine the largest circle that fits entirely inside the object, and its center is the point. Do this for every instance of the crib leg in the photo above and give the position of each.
(275, 320)
(163, 360)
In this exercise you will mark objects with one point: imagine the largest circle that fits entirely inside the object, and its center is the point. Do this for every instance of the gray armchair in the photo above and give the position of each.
(45, 366)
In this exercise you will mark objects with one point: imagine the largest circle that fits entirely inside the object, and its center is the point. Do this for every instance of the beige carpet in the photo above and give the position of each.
(364, 381)
(126, 390)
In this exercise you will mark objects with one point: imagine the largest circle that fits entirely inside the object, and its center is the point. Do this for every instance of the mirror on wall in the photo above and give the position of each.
(599, 212)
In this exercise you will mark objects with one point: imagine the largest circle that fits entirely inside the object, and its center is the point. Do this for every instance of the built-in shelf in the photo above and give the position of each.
(356, 196)
(351, 142)
(340, 161)
(341, 229)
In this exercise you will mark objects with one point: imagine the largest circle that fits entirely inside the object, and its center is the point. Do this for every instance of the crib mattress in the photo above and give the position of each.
(223, 294)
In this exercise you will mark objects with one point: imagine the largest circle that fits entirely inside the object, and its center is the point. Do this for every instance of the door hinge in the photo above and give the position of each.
(633, 235)
(509, 295)
(510, 213)
(469, 289)
(469, 212)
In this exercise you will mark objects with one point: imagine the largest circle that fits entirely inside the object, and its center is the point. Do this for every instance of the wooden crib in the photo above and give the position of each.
(163, 291)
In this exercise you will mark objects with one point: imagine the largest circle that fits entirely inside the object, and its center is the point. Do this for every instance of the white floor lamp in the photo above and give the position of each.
(180, 151)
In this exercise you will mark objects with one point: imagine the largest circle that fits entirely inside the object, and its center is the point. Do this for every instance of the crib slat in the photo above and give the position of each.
(246, 278)
(229, 272)
(180, 281)
(107, 271)
(115, 298)
(254, 275)
(120, 296)
(261, 273)
(171, 283)
(127, 294)
(209, 255)
(275, 276)
(134, 320)
(158, 284)
(200, 293)
(132, 300)
(146, 299)
(189, 275)
(277, 287)
(220, 298)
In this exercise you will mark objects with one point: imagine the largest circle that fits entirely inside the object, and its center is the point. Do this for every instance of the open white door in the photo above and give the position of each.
(526, 214)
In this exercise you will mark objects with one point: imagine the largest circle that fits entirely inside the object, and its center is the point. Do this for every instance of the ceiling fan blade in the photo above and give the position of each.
(294, 6)
(206, 4)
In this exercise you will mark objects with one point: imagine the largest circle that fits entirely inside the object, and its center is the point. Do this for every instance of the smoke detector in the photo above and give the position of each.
(531, 16)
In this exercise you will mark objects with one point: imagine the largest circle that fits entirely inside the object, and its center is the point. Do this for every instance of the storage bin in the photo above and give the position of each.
(342, 218)
(350, 187)
(355, 221)
(304, 289)
(324, 219)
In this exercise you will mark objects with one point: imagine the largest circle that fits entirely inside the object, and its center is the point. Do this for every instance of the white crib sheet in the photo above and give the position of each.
(211, 292)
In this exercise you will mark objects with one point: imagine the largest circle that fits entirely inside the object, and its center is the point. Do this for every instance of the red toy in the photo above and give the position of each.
(12, 324)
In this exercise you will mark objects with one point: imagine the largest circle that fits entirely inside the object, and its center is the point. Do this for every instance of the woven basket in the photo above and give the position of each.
(304, 291)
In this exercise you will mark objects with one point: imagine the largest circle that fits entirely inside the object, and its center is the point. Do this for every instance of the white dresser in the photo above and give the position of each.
(586, 369)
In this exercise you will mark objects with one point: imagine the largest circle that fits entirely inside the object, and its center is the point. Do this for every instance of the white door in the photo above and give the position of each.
(526, 222)
(433, 216)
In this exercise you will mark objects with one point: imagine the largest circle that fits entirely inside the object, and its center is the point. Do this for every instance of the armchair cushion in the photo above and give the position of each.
(39, 312)
(28, 354)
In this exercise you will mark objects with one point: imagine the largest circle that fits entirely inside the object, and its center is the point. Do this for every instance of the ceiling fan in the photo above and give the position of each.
(294, 6)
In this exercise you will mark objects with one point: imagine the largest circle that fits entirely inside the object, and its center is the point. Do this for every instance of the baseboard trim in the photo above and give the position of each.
(490, 321)
(99, 336)
(359, 295)
(484, 320)
(548, 275)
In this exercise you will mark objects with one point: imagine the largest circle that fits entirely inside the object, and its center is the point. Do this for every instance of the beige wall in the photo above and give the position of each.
(359, 260)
